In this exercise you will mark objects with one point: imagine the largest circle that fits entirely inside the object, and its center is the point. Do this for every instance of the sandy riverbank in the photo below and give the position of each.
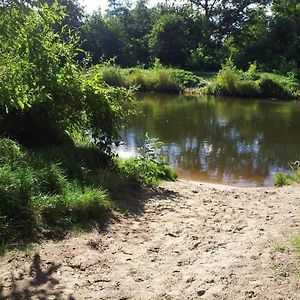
(183, 240)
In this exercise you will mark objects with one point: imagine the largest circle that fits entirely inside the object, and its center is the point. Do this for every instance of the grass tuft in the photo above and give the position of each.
(282, 179)
(279, 247)
(296, 245)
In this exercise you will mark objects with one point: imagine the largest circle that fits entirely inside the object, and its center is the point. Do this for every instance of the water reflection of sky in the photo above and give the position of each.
(235, 142)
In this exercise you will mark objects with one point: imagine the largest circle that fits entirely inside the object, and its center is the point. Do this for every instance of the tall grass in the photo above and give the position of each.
(157, 79)
(49, 191)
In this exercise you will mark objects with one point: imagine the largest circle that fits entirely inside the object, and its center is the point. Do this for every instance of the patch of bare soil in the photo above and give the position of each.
(185, 241)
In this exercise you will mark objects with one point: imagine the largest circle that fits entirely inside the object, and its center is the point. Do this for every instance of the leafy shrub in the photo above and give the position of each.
(151, 166)
(45, 95)
(276, 88)
(112, 76)
(282, 179)
(227, 80)
(147, 171)
(233, 82)
(10, 152)
(187, 79)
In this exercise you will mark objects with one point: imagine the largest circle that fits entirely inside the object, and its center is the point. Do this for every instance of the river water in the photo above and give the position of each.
(230, 141)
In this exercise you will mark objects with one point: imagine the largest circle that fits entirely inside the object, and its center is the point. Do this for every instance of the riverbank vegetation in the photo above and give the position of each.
(228, 82)
(282, 179)
(67, 83)
(46, 191)
(57, 124)
(155, 79)
(252, 84)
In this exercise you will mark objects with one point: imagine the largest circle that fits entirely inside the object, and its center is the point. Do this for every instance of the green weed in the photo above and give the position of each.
(279, 270)
(279, 247)
(296, 245)
(158, 79)
(282, 179)
(233, 82)
(147, 171)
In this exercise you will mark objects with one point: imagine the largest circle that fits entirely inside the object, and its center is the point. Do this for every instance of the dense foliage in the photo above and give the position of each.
(198, 34)
(47, 191)
(45, 95)
(155, 79)
(51, 102)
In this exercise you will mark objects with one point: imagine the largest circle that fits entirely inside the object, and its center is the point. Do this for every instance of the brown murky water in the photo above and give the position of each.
(229, 141)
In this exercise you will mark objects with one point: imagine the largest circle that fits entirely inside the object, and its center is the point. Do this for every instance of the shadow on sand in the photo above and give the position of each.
(132, 198)
(39, 281)
(36, 284)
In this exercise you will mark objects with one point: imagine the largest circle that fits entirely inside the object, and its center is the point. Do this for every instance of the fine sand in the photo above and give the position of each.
(182, 240)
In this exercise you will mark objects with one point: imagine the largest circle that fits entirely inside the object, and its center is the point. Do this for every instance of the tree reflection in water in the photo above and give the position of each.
(231, 141)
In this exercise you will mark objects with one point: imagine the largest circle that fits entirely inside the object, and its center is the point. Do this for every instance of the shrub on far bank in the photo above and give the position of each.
(233, 82)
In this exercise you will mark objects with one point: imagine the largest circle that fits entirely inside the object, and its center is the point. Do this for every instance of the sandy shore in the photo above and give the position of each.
(182, 240)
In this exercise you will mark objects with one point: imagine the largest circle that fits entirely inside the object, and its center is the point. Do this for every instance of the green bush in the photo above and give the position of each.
(49, 191)
(112, 76)
(276, 86)
(10, 152)
(233, 82)
(45, 94)
(147, 171)
(187, 79)
(282, 179)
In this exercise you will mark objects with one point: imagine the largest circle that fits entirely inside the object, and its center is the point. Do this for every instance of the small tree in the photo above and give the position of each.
(44, 93)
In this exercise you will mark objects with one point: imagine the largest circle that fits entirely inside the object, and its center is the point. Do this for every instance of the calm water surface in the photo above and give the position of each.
(229, 141)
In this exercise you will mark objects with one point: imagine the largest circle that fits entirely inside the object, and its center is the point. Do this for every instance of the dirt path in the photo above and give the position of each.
(187, 241)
